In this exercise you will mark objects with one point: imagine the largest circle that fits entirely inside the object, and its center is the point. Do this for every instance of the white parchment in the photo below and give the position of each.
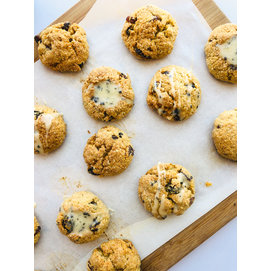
(154, 139)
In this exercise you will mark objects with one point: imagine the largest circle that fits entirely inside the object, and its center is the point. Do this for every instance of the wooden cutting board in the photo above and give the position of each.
(191, 237)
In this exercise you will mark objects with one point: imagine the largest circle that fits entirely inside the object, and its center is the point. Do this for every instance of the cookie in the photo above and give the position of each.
(221, 53)
(174, 93)
(225, 134)
(37, 229)
(107, 94)
(114, 255)
(49, 129)
(108, 152)
(63, 47)
(150, 33)
(83, 217)
(165, 189)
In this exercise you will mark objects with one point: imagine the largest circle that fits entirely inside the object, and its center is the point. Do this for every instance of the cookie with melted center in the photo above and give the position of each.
(221, 53)
(107, 94)
(83, 217)
(109, 152)
(49, 129)
(166, 189)
(114, 255)
(174, 93)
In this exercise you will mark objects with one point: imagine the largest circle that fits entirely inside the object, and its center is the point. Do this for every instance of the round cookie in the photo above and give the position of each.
(107, 94)
(108, 152)
(221, 53)
(174, 93)
(166, 188)
(63, 47)
(49, 129)
(37, 229)
(150, 32)
(114, 255)
(225, 134)
(83, 217)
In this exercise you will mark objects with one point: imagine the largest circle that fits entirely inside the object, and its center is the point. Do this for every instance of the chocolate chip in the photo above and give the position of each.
(171, 189)
(131, 19)
(37, 39)
(233, 67)
(131, 151)
(67, 224)
(114, 137)
(225, 58)
(176, 113)
(218, 126)
(150, 49)
(37, 114)
(95, 99)
(140, 53)
(48, 46)
(85, 213)
(102, 103)
(90, 170)
(123, 75)
(120, 135)
(193, 85)
(165, 72)
(66, 26)
(93, 202)
(70, 40)
(81, 65)
(37, 230)
(128, 30)
(156, 18)
(192, 200)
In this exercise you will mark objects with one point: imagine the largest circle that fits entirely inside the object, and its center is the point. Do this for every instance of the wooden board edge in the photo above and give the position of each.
(211, 12)
(191, 237)
(74, 15)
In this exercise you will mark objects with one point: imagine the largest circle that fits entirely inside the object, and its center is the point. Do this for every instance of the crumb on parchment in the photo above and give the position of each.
(207, 184)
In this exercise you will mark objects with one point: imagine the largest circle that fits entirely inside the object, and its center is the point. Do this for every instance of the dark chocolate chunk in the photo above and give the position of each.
(37, 39)
(140, 53)
(128, 30)
(70, 40)
(67, 224)
(120, 135)
(81, 65)
(123, 75)
(85, 213)
(131, 20)
(114, 137)
(37, 114)
(193, 85)
(131, 150)
(90, 170)
(165, 72)
(37, 230)
(48, 46)
(66, 26)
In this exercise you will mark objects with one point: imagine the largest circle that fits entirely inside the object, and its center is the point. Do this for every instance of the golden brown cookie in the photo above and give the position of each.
(174, 93)
(150, 32)
(221, 53)
(225, 134)
(49, 129)
(83, 217)
(37, 229)
(108, 152)
(107, 94)
(165, 189)
(114, 255)
(63, 47)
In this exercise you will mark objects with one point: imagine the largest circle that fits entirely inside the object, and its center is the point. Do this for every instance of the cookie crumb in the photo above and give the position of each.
(207, 184)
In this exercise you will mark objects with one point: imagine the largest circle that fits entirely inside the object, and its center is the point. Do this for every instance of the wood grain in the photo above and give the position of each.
(191, 237)
(211, 12)
(74, 15)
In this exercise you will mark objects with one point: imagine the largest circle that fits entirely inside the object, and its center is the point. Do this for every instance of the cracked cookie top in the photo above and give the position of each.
(221, 53)
(49, 129)
(83, 217)
(166, 188)
(150, 32)
(114, 255)
(108, 152)
(225, 134)
(63, 47)
(37, 229)
(174, 93)
(107, 94)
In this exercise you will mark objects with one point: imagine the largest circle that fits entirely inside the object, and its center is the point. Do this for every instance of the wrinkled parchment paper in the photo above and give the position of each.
(188, 143)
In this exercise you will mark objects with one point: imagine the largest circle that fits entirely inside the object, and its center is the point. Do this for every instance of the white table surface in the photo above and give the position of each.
(218, 253)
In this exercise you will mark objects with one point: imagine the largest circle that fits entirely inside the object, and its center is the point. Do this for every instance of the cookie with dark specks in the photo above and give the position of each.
(63, 47)
(225, 134)
(221, 53)
(107, 94)
(166, 189)
(150, 33)
(174, 93)
(83, 217)
(114, 255)
(109, 152)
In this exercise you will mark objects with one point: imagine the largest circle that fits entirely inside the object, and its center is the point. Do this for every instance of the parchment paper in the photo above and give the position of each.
(188, 143)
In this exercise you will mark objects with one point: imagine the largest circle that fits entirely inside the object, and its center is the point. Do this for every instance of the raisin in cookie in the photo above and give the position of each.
(37, 229)
(221, 53)
(114, 255)
(174, 93)
(49, 129)
(83, 217)
(109, 152)
(225, 134)
(150, 32)
(166, 189)
(107, 94)
(63, 47)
